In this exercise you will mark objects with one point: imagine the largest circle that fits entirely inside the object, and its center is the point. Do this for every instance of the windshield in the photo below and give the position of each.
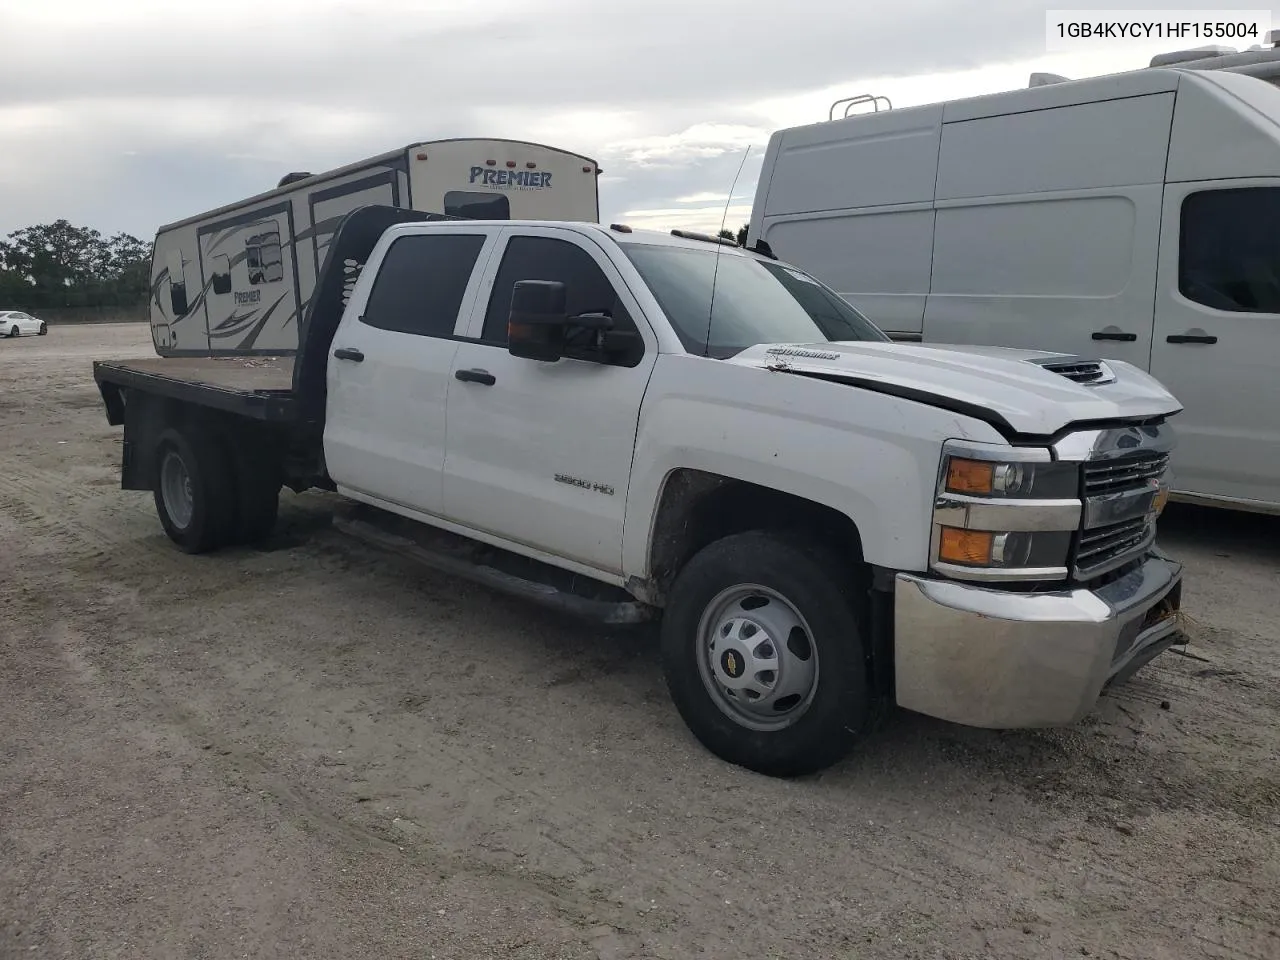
(755, 301)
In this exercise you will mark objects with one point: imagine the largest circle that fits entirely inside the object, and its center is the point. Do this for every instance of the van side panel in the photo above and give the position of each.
(870, 160)
(1226, 126)
(852, 201)
(877, 259)
(1047, 228)
(1109, 144)
(1048, 271)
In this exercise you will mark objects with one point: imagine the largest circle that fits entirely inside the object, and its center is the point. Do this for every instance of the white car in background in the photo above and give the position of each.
(15, 323)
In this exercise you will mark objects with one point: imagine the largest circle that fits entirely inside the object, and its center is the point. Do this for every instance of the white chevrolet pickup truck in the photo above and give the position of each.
(631, 425)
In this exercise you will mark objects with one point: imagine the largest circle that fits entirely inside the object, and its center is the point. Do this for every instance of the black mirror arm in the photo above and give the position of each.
(592, 321)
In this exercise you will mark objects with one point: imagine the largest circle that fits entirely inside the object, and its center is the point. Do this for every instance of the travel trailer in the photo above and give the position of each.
(1129, 217)
(236, 280)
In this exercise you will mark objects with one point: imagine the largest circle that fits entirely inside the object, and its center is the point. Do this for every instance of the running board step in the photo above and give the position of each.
(499, 569)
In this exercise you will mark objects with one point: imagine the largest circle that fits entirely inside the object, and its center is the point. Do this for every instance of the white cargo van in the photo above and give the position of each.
(235, 280)
(1132, 217)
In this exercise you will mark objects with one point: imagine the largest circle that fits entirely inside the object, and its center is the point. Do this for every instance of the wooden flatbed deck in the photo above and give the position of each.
(258, 387)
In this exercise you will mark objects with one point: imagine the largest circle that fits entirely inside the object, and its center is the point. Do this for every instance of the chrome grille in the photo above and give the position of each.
(1123, 478)
(1100, 548)
(1109, 481)
(1123, 473)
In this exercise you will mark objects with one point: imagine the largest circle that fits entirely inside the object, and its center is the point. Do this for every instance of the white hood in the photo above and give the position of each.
(1015, 392)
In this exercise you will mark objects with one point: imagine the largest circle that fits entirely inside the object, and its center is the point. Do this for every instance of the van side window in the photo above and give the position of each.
(545, 258)
(1230, 249)
(420, 284)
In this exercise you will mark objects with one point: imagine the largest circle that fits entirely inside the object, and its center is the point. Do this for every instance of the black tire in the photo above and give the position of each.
(819, 584)
(14, 332)
(212, 490)
(257, 485)
(44, 328)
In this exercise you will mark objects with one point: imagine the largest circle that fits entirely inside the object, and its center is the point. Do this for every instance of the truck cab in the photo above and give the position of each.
(643, 425)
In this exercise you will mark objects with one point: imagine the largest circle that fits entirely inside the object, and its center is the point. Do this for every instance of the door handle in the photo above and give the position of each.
(1107, 335)
(346, 353)
(476, 376)
(1191, 338)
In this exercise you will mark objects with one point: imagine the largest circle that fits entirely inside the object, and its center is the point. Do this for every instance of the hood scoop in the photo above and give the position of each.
(1078, 369)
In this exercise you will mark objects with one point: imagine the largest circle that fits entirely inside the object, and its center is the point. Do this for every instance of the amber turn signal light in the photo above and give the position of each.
(969, 476)
(969, 547)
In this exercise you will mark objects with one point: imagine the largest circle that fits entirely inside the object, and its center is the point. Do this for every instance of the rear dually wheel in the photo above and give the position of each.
(193, 489)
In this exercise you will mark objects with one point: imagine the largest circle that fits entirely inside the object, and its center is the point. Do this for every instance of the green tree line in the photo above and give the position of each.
(740, 237)
(58, 264)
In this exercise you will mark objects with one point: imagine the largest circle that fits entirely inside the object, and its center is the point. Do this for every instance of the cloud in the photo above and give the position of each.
(125, 115)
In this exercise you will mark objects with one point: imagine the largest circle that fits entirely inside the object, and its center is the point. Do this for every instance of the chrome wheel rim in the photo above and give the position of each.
(757, 657)
(175, 488)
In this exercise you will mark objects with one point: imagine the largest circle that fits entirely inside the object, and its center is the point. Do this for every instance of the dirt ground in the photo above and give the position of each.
(310, 750)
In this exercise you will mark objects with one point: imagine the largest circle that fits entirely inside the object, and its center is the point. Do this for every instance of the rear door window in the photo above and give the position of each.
(421, 282)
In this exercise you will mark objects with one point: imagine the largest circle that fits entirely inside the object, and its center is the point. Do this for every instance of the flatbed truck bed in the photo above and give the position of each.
(260, 388)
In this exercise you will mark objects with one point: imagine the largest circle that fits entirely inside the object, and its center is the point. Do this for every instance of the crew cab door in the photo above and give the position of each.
(1217, 336)
(540, 453)
(391, 361)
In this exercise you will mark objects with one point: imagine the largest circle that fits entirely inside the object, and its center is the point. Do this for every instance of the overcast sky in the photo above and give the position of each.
(124, 114)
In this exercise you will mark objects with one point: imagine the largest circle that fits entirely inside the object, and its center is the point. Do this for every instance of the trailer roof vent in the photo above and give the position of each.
(294, 177)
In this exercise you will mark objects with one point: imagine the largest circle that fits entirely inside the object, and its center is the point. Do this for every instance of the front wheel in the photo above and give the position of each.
(44, 328)
(763, 653)
(14, 332)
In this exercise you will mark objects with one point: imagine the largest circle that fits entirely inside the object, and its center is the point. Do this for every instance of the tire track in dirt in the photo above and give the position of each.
(589, 837)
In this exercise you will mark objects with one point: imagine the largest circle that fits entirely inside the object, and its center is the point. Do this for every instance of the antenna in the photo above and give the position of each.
(715, 272)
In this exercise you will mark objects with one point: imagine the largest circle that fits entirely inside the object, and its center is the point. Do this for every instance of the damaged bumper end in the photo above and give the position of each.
(994, 658)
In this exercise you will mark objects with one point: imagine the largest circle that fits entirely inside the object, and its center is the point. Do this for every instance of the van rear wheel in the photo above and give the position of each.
(193, 489)
(763, 653)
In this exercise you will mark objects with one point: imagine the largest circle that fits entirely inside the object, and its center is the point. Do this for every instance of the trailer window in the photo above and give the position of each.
(1230, 250)
(475, 205)
(419, 286)
(262, 256)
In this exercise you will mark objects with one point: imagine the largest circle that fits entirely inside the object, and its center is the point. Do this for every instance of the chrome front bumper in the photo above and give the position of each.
(1000, 659)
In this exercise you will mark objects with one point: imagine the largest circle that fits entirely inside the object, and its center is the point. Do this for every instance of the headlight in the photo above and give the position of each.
(985, 478)
(1004, 513)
